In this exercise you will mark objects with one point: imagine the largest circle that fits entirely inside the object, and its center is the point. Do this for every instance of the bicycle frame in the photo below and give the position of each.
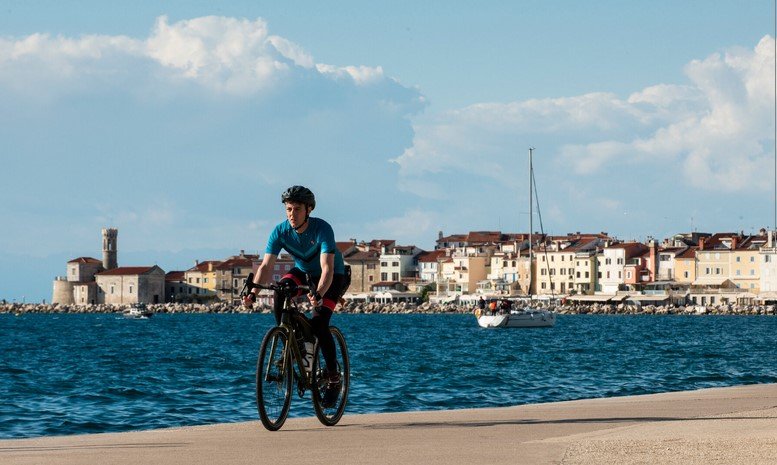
(291, 327)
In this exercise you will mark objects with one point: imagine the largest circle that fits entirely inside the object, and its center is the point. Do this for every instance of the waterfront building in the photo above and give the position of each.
(176, 287)
(667, 262)
(586, 266)
(768, 268)
(745, 266)
(428, 265)
(612, 263)
(398, 262)
(365, 270)
(234, 270)
(130, 285)
(685, 266)
(201, 279)
(91, 281)
(559, 260)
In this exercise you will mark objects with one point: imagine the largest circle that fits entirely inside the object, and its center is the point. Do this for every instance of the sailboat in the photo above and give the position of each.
(525, 316)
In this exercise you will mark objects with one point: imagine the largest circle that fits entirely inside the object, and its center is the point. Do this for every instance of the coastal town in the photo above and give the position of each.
(704, 269)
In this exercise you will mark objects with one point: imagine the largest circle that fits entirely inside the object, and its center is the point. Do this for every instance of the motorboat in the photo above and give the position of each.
(138, 311)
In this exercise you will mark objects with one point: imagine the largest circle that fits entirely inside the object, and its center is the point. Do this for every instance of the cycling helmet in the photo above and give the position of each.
(299, 194)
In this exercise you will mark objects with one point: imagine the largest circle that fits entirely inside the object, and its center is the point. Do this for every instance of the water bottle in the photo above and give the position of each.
(307, 355)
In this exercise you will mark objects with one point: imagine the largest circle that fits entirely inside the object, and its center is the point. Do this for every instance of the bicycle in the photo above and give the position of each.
(282, 363)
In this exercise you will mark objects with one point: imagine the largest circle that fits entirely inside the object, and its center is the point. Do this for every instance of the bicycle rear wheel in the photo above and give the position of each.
(274, 379)
(329, 416)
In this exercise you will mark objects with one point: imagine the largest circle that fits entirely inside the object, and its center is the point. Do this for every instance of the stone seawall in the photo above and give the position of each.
(425, 308)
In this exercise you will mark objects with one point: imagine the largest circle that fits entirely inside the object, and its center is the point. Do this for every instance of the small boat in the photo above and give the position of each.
(138, 312)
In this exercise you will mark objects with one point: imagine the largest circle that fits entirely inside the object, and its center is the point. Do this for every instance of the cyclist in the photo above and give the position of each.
(318, 262)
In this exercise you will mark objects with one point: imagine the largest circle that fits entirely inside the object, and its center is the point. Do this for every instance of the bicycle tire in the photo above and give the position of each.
(331, 416)
(274, 379)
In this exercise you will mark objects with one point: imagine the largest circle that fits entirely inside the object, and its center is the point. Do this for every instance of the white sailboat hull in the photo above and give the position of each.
(520, 319)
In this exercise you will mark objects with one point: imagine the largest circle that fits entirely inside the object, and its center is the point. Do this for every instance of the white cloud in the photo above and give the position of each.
(718, 129)
(227, 55)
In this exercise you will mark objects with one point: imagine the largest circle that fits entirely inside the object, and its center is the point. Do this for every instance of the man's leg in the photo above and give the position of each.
(295, 275)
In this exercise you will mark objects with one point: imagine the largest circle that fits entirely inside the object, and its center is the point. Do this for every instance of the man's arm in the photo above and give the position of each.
(262, 276)
(327, 272)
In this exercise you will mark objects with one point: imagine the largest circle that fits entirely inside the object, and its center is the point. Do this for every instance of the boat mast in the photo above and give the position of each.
(531, 218)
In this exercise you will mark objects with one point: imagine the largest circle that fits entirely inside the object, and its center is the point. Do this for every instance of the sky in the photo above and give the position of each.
(181, 122)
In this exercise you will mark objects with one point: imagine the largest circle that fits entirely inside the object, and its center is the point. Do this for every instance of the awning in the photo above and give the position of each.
(647, 298)
(591, 298)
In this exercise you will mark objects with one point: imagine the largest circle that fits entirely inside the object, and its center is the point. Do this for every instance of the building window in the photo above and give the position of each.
(686, 274)
(586, 274)
(394, 263)
(739, 259)
(111, 290)
(752, 272)
(752, 259)
(384, 276)
(717, 270)
(369, 278)
(197, 280)
(130, 289)
(383, 263)
(739, 272)
(717, 257)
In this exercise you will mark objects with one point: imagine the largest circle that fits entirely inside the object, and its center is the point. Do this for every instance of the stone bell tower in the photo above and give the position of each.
(109, 248)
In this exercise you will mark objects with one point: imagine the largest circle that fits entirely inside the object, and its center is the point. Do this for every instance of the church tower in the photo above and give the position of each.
(109, 248)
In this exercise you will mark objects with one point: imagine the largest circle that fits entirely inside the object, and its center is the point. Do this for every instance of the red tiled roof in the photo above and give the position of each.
(85, 260)
(127, 270)
(690, 253)
(240, 261)
(632, 249)
(431, 257)
(175, 276)
(376, 244)
(202, 267)
(370, 255)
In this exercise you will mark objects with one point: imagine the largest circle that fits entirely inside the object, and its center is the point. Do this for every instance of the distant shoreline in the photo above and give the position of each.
(398, 308)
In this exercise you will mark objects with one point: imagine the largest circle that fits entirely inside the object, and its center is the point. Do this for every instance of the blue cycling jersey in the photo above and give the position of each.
(306, 247)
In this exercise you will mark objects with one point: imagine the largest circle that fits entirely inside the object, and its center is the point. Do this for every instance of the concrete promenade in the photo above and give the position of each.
(723, 425)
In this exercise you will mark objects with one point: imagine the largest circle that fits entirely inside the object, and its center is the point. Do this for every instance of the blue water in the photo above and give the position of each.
(73, 374)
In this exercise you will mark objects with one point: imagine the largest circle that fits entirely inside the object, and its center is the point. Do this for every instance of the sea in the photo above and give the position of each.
(67, 374)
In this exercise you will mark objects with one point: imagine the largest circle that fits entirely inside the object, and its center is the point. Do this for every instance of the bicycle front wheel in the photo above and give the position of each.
(274, 379)
(330, 414)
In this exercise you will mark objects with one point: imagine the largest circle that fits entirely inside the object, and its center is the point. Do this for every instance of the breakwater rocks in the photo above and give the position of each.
(402, 307)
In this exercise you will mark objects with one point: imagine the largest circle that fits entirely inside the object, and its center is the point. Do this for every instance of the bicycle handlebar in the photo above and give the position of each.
(285, 288)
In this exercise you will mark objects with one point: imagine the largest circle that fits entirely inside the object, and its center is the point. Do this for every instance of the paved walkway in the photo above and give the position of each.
(722, 425)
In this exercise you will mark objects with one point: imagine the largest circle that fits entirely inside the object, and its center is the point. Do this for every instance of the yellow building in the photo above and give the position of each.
(685, 266)
(745, 266)
(201, 279)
